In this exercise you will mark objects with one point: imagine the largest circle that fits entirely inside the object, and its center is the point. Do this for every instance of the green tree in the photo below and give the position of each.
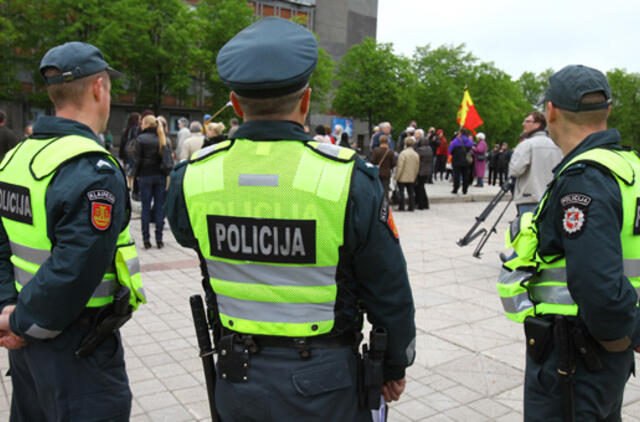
(217, 21)
(375, 84)
(625, 90)
(321, 82)
(533, 86)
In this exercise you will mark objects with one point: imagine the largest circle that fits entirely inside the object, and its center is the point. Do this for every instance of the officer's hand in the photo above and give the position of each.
(391, 390)
(4, 318)
(11, 341)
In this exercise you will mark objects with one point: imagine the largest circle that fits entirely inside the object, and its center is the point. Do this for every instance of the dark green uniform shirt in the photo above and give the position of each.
(371, 266)
(595, 278)
(81, 254)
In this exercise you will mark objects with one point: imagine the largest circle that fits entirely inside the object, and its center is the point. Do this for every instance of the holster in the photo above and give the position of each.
(234, 357)
(107, 321)
(587, 348)
(539, 334)
(372, 369)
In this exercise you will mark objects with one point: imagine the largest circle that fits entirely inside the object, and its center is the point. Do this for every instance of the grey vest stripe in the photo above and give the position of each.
(22, 276)
(511, 277)
(35, 256)
(551, 294)
(142, 293)
(275, 311)
(329, 149)
(106, 288)
(516, 304)
(133, 265)
(204, 151)
(258, 179)
(552, 274)
(631, 269)
(272, 275)
(38, 332)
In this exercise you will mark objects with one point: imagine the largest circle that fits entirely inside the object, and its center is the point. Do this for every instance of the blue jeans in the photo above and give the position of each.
(152, 187)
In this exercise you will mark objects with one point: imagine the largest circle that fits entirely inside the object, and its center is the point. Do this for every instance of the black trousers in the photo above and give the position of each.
(458, 174)
(412, 195)
(422, 200)
(51, 384)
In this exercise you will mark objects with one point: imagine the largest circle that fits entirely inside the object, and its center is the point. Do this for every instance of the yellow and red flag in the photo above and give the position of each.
(467, 115)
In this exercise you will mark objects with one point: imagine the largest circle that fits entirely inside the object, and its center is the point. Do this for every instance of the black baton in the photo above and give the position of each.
(206, 351)
(566, 367)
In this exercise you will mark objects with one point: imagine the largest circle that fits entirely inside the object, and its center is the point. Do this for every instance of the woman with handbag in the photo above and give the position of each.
(480, 155)
(385, 159)
(152, 177)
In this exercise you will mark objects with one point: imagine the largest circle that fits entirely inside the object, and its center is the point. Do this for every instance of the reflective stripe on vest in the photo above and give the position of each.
(246, 218)
(28, 169)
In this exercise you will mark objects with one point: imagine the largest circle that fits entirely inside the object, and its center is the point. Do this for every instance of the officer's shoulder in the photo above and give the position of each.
(209, 151)
(364, 166)
(332, 152)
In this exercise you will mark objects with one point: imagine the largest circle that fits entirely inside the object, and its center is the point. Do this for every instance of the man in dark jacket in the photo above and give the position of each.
(493, 163)
(426, 170)
(502, 163)
(8, 139)
(458, 149)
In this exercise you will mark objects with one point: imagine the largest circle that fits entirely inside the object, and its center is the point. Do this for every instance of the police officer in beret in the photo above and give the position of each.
(580, 308)
(66, 256)
(294, 236)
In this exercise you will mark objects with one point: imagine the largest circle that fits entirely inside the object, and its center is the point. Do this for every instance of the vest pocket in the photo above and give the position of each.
(323, 379)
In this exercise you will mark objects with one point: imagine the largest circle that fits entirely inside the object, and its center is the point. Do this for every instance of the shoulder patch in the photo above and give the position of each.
(367, 168)
(385, 216)
(101, 202)
(575, 208)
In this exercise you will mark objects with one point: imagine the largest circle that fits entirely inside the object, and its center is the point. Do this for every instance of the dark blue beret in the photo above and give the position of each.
(271, 58)
(75, 60)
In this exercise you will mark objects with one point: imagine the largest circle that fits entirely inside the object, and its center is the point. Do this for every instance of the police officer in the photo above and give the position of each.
(580, 308)
(293, 235)
(66, 257)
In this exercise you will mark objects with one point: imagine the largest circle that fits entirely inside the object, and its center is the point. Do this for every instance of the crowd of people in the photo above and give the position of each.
(420, 158)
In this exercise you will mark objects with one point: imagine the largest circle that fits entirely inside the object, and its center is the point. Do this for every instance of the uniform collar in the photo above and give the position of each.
(47, 127)
(270, 130)
(595, 140)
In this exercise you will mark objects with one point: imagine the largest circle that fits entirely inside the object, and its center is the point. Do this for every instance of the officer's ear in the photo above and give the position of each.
(305, 102)
(236, 105)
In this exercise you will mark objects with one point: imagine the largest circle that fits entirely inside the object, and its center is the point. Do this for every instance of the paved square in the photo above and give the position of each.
(470, 358)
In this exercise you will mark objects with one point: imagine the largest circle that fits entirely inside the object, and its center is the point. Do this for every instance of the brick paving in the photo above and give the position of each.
(470, 358)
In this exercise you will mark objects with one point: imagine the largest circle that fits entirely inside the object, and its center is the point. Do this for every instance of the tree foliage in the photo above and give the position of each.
(374, 83)
(625, 90)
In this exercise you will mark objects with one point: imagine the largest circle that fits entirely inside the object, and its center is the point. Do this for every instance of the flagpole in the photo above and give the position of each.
(216, 113)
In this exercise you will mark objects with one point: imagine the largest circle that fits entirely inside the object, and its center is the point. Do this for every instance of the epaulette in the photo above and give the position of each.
(331, 151)
(180, 164)
(207, 152)
(367, 168)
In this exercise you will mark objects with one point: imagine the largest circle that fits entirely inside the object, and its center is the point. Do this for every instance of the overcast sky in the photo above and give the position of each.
(519, 35)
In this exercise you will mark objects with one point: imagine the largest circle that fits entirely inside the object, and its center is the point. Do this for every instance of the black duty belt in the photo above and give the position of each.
(299, 343)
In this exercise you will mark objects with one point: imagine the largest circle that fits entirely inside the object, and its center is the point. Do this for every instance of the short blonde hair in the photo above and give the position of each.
(71, 92)
(217, 127)
(409, 141)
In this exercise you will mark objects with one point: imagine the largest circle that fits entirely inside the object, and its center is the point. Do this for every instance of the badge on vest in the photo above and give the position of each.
(101, 208)
(262, 239)
(15, 203)
(574, 213)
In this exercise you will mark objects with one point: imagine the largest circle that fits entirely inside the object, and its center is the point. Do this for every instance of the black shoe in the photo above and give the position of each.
(147, 245)
(455, 192)
(159, 244)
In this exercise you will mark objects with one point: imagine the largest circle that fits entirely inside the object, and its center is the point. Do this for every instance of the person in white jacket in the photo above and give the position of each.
(532, 162)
